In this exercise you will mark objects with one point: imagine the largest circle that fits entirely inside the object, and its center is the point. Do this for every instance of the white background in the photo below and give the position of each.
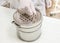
(50, 29)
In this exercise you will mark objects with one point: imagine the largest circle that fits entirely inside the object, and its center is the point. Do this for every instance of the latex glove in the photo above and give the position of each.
(27, 6)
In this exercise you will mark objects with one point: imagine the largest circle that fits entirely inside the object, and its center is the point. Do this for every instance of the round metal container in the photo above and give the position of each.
(29, 33)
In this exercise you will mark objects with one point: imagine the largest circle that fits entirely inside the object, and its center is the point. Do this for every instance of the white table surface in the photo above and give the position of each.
(50, 29)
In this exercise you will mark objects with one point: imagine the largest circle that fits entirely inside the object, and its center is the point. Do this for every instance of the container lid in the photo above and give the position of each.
(19, 20)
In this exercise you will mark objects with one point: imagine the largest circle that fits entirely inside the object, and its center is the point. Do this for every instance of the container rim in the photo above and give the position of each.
(34, 25)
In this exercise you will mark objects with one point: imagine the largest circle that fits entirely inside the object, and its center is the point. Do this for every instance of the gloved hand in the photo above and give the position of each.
(23, 6)
(27, 6)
